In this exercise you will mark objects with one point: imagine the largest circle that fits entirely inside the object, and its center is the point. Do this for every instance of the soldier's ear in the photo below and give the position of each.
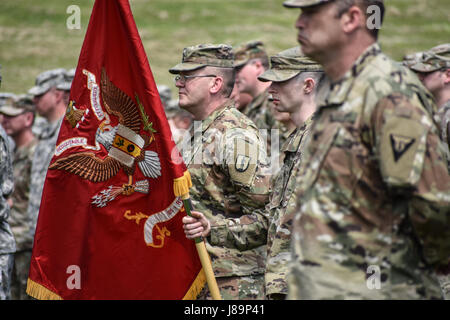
(447, 76)
(216, 85)
(308, 85)
(353, 19)
(29, 117)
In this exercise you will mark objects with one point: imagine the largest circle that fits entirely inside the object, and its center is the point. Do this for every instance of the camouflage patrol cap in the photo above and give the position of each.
(288, 64)
(303, 3)
(66, 82)
(436, 58)
(411, 59)
(202, 55)
(247, 51)
(165, 94)
(17, 105)
(171, 109)
(5, 96)
(47, 80)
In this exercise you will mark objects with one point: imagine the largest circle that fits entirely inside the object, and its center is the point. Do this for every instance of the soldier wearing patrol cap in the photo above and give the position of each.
(50, 104)
(4, 96)
(65, 84)
(18, 120)
(7, 242)
(433, 70)
(251, 60)
(225, 161)
(294, 79)
(372, 218)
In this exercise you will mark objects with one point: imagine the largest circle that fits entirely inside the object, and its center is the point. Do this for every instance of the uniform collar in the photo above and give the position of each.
(445, 107)
(206, 123)
(295, 138)
(338, 91)
(23, 151)
(50, 129)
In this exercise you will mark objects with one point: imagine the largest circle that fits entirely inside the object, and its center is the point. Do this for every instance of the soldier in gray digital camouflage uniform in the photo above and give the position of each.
(7, 242)
(6, 97)
(50, 104)
(294, 80)
(433, 70)
(225, 162)
(372, 219)
(17, 121)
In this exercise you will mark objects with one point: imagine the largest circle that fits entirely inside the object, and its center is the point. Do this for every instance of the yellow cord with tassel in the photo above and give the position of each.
(181, 189)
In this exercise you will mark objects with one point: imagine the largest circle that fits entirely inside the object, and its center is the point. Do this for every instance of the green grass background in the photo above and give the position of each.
(34, 36)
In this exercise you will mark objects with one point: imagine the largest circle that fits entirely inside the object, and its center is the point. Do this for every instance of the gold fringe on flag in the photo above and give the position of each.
(196, 286)
(40, 292)
(182, 184)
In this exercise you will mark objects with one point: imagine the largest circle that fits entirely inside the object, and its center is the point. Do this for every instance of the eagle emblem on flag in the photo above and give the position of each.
(125, 145)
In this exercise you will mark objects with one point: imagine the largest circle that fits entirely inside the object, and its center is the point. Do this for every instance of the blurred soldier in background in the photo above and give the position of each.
(7, 242)
(251, 60)
(433, 70)
(66, 84)
(241, 99)
(50, 104)
(17, 121)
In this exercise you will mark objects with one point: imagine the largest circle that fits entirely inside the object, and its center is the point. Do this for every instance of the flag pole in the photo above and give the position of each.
(203, 255)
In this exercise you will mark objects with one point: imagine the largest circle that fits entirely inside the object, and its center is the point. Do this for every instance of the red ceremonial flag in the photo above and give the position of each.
(110, 225)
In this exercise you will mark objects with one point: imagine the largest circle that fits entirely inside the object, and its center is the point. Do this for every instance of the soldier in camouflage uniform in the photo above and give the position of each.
(6, 97)
(433, 70)
(17, 121)
(372, 218)
(50, 104)
(7, 242)
(225, 163)
(251, 61)
(294, 80)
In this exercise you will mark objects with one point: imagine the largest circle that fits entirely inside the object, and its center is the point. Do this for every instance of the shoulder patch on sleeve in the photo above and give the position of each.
(402, 150)
(242, 157)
